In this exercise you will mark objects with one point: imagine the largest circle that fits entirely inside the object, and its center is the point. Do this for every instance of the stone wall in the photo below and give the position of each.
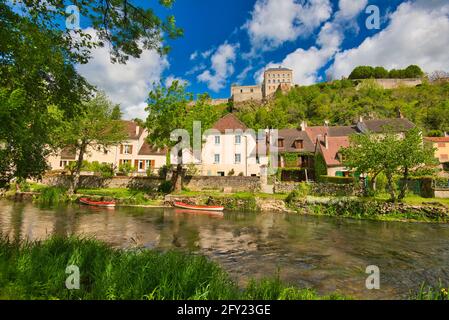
(441, 193)
(226, 183)
(139, 183)
(285, 186)
(320, 189)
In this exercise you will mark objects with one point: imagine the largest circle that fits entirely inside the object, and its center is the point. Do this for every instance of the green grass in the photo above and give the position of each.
(237, 195)
(414, 199)
(36, 270)
(428, 292)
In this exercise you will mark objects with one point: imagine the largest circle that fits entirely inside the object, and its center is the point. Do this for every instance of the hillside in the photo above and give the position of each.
(342, 102)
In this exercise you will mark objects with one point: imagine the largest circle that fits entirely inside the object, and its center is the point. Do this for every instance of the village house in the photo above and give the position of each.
(330, 140)
(441, 145)
(228, 148)
(134, 150)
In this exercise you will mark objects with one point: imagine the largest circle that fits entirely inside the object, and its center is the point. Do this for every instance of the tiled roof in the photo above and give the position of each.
(229, 122)
(330, 153)
(147, 150)
(437, 139)
(68, 153)
(130, 128)
(290, 136)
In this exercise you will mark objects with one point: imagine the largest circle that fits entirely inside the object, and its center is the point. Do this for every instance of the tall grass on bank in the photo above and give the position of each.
(429, 292)
(52, 196)
(36, 270)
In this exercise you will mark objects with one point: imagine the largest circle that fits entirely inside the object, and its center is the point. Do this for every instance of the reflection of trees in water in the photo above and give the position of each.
(17, 213)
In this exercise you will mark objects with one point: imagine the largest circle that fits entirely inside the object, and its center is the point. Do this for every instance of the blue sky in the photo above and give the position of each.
(232, 41)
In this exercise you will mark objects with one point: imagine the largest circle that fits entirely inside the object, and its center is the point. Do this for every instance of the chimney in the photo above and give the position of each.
(326, 141)
(303, 125)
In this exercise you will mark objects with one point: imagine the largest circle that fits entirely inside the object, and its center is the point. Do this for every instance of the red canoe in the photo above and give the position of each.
(97, 203)
(195, 207)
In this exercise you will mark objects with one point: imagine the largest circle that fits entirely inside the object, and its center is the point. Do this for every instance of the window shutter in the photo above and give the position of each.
(152, 163)
(121, 149)
(136, 163)
(130, 149)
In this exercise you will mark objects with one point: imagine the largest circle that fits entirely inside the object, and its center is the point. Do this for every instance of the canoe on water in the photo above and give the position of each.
(97, 203)
(196, 207)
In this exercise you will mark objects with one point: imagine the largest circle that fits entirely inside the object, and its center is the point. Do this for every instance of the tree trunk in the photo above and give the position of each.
(177, 178)
(391, 187)
(74, 184)
(404, 184)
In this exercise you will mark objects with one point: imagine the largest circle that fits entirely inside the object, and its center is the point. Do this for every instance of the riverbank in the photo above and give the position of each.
(37, 270)
(412, 209)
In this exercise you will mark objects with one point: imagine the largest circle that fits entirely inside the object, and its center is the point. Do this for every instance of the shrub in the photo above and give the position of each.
(165, 187)
(126, 168)
(241, 174)
(337, 180)
(301, 191)
(231, 172)
(162, 172)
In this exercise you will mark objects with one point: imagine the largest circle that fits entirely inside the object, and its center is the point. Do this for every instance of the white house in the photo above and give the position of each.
(228, 148)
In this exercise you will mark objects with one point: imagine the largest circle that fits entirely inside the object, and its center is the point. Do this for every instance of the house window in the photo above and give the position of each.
(299, 144)
(280, 143)
(220, 173)
(217, 139)
(126, 149)
(141, 165)
(257, 159)
(216, 158)
(238, 139)
(252, 90)
(237, 158)
(241, 90)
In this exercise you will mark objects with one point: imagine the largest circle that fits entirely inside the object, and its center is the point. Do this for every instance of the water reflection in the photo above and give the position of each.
(325, 253)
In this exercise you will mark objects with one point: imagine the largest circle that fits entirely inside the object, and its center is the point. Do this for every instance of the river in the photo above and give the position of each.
(325, 253)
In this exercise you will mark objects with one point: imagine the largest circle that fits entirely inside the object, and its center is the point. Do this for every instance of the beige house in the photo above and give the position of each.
(135, 151)
(441, 145)
(228, 148)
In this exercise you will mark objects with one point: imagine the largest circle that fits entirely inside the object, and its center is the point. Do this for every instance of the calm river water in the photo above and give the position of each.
(325, 253)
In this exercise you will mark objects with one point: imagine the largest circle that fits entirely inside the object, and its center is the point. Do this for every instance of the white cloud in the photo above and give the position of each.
(242, 75)
(206, 54)
(127, 84)
(306, 63)
(274, 22)
(195, 69)
(193, 55)
(222, 67)
(417, 34)
(169, 80)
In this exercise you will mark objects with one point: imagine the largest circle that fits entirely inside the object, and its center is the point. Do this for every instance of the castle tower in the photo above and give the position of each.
(274, 78)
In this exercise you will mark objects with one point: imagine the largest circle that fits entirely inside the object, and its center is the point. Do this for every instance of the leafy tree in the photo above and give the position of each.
(380, 73)
(93, 127)
(171, 108)
(362, 72)
(37, 58)
(389, 153)
(413, 71)
(116, 113)
(167, 110)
